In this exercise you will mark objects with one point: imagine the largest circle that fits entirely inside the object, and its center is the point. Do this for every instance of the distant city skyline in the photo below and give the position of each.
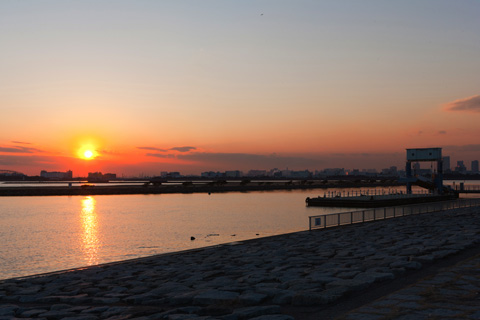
(149, 86)
(419, 167)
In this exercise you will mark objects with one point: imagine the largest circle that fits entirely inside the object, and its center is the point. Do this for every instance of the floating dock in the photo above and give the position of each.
(376, 201)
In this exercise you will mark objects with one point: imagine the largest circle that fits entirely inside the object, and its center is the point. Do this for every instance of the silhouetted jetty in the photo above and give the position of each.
(186, 187)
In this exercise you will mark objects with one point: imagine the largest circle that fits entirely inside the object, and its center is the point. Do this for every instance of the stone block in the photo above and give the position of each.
(251, 298)
(215, 297)
(372, 277)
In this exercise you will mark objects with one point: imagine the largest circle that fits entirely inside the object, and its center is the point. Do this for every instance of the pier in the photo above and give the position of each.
(467, 188)
(436, 190)
(373, 200)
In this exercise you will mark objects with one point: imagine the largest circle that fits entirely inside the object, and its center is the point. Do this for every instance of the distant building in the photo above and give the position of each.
(460, 168)
(212, 175)
(305, 174)
(233, 174)
(110, 176)
(392, 171)
(56, 175)
(355, 172)
(11, 175)
(370, 172)
(274, 173)
(257, 173)
(446, 164)
(96, 177)
(170, 175)
(277, 174)
(475, 166)
(334, 172)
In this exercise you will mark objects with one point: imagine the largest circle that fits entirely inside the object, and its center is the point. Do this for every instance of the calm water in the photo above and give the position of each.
(43, 234)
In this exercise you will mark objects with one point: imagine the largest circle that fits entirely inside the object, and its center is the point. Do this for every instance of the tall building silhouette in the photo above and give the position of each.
(446, 164)
(475, 166)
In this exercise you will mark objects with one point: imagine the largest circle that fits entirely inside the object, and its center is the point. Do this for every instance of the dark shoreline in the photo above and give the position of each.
(165, 189)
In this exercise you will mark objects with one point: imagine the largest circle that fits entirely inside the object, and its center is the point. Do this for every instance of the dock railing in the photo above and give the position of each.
(374, 192)
(360, 216)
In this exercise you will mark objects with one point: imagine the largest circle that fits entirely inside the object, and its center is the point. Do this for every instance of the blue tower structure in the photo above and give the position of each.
(421, 155)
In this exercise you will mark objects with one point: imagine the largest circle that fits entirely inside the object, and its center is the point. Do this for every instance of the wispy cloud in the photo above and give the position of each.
(179, 149)
(18, 149)
(26, 160)
(152, 149)
(470, 104)
(20, 142)
(249, 160)
(442, 132)
(183, 149)
(160, 155)
(109, 152)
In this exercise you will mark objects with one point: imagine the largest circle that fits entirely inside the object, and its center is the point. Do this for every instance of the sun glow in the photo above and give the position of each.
(87, 153)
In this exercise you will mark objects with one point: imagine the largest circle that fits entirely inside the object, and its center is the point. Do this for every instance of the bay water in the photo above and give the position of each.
(46, 234)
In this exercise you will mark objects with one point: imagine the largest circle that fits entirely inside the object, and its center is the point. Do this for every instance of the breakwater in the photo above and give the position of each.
(181, 188)
(292, 276)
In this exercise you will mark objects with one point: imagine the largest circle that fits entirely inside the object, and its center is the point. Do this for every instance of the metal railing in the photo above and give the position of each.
(463, 187)
(360, 216)
(373, 192)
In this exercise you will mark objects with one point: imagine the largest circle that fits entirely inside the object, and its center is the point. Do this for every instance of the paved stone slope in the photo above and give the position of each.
(453, 293)
(250, 280)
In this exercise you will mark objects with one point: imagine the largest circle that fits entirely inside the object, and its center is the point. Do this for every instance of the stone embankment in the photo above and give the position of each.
(292, 276)
(453, 293)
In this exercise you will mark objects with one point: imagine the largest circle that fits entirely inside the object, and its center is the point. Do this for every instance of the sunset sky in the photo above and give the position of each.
(190, 86)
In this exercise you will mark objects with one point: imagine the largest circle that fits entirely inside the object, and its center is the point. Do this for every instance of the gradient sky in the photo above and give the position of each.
(191, 86)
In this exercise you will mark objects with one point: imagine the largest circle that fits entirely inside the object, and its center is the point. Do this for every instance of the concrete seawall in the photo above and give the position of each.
(293, 276)
(164, 189)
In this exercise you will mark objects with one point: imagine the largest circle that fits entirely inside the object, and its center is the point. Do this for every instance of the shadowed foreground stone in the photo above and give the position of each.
(453, 293)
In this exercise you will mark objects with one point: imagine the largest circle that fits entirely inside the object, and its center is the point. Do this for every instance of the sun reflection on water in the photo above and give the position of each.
(90, 230)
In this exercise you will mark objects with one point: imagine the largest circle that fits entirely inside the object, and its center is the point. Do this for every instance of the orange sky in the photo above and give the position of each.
(152, 86)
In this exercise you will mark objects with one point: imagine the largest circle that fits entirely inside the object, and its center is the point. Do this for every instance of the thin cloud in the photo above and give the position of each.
(159, 155)
(442, 132)
(18, 149)
(248, 160)
(183, 149)
(20, 142)
(152, 149)
(113, 153)
(24, 160)
(471, 104)
(179, 149)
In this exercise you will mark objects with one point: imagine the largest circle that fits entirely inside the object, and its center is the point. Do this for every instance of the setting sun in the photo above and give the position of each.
(87, 152)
